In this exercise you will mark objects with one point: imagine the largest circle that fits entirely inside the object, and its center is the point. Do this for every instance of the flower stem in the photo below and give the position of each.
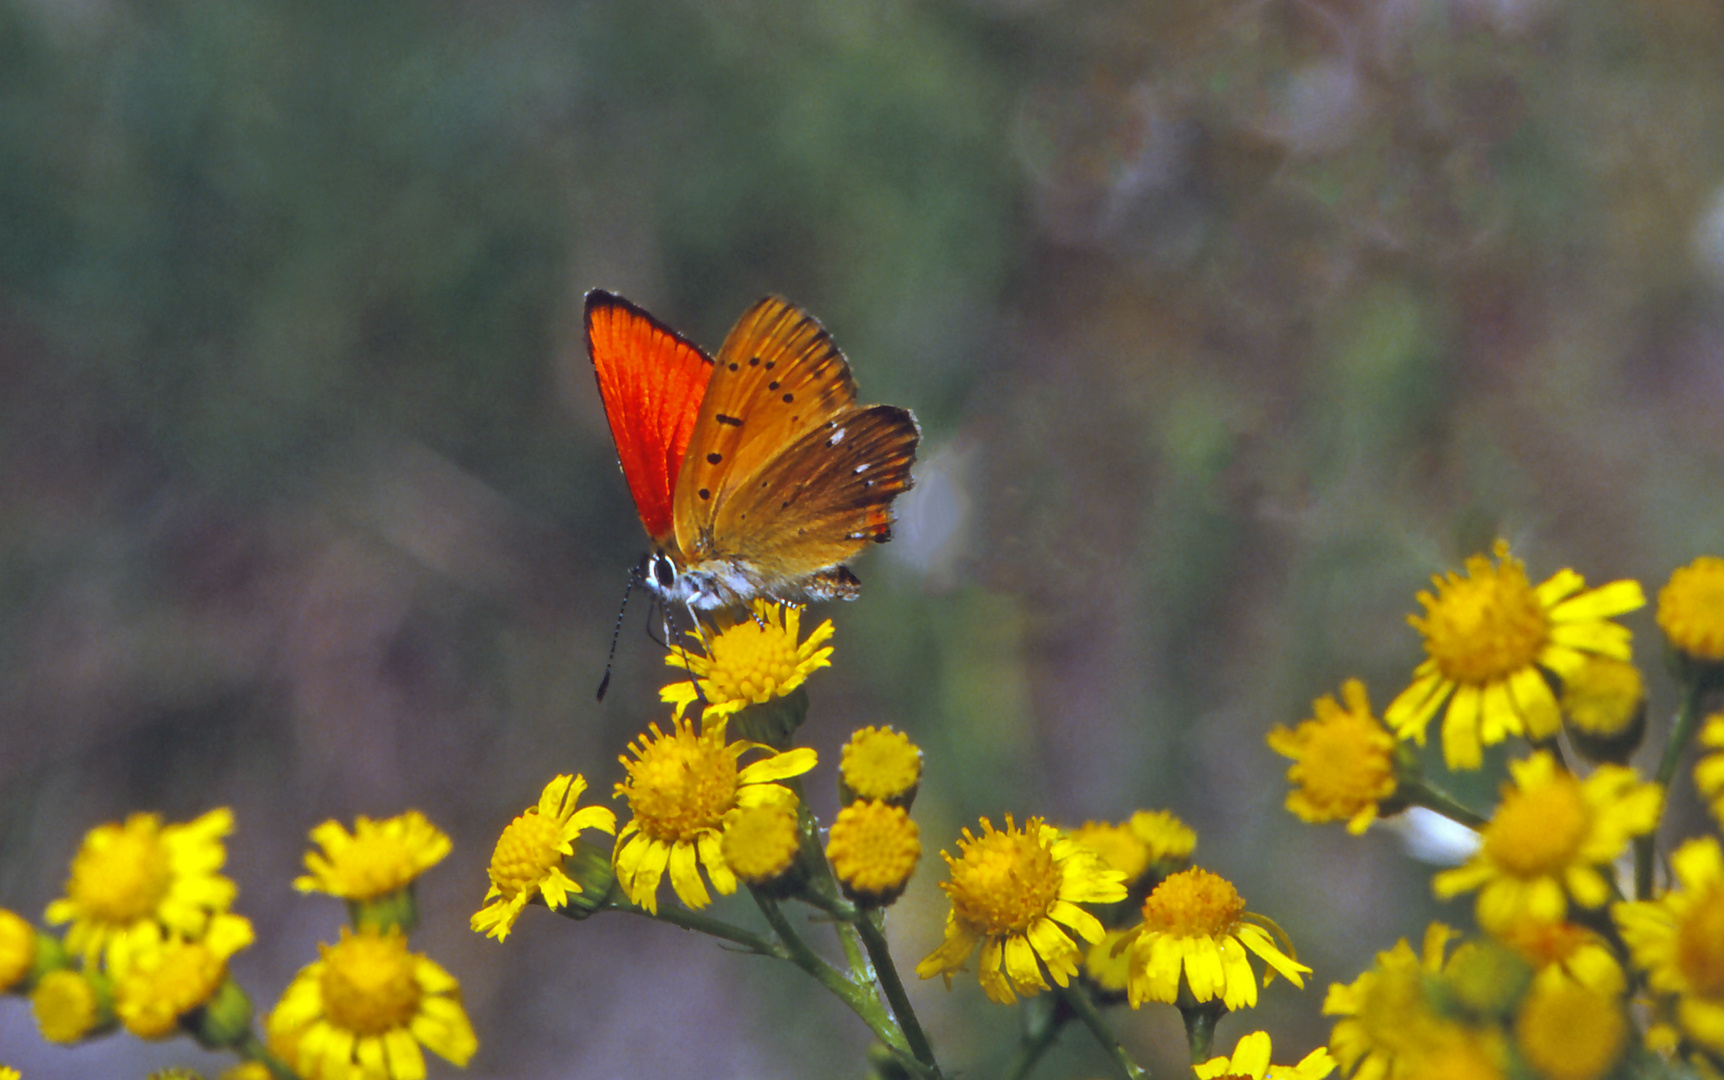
(1200, 1031)
(870, 925)
(1681, 733)
(252, 1049)
(860, 997)
(1422, 792)
(1086, 1011)
(706, 924)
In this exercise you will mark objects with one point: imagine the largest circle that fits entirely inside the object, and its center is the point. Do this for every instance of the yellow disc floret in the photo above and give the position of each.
(17, 949)
(158, 982)
(1016, 892)
(69, 1005)
(1343, 761)
(747, 661)
(1678, 940)
(879, 763)
(1551, 839)
(1169, 840)
(1195, 927)
(1119, 846)
(528, 859)
(1709, 770)
(874, 848)
(365, 1009)
(377, 858)
(1691, 609)
(680, 786)
(1490, 636)
(1568, 1032)
(125, 877)
(760, 842)
(1387, 1017)
(1486, 625)
(1603, 696)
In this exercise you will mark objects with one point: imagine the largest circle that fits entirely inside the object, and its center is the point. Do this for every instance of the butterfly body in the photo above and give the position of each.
(755, 473)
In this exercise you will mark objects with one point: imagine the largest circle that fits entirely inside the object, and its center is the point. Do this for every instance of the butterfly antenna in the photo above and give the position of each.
(616, 632)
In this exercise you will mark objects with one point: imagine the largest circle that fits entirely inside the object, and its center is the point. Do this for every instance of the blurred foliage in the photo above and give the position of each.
(1227, 324)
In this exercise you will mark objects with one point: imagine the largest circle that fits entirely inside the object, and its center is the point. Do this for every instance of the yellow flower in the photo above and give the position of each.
(1012, 890)
(1251, 1059)
(364, 1009)
(1195, 924)
(1709, 770)
(874, 848)
(1119, 847)
(1678, 940)
(1108, 962)
(376, 859)
(1548, 839)
(145, 874)
(1691, 609)
(748, 661)
(759, 843)
(680, 786)
(1567, 1032)
(17, 949)
(1489, 638)
(158, 981)
(1460, 1053)
(1170, 840)
(1386, 1014)
(1603, 696)
(8, 1073)
(71, 1004)
(247, 1070)
(1567, 952)
(528, 858)
(1343, 761)
(879, 763)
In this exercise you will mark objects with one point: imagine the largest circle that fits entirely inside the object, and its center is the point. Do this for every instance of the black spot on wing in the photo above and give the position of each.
(733, 421)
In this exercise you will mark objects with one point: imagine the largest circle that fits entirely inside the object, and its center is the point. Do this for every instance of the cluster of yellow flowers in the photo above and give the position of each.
(1578, 970)
(151, 933)
(1594, 956)
(1110, 913)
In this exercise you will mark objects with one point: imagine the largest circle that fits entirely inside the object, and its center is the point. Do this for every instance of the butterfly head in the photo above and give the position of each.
(708, 587)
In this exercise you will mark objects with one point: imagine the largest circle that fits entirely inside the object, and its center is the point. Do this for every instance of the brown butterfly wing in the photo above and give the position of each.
(821, 499)
(652, 381)
(778, 376)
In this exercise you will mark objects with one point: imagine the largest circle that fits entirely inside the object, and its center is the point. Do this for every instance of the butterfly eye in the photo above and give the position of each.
(663, 572)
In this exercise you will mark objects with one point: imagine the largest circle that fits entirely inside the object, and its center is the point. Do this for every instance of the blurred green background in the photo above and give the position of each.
(1227, 323)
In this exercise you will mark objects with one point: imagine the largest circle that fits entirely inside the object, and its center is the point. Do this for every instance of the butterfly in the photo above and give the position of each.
(756, 474)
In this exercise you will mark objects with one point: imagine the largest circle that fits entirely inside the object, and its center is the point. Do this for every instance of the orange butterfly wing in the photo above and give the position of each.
(778, 375)
(824, 498)
(788, 475)
(651, 380)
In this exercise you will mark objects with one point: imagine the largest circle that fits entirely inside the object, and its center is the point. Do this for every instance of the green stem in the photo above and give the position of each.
(1040, 1034)
(873, 937)
(1422, 792)
(1086, 1011)
(1200, 1031)
(859, 996)
(1681, 733)
(825, 884)
(706, 924)
(252, 1049)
